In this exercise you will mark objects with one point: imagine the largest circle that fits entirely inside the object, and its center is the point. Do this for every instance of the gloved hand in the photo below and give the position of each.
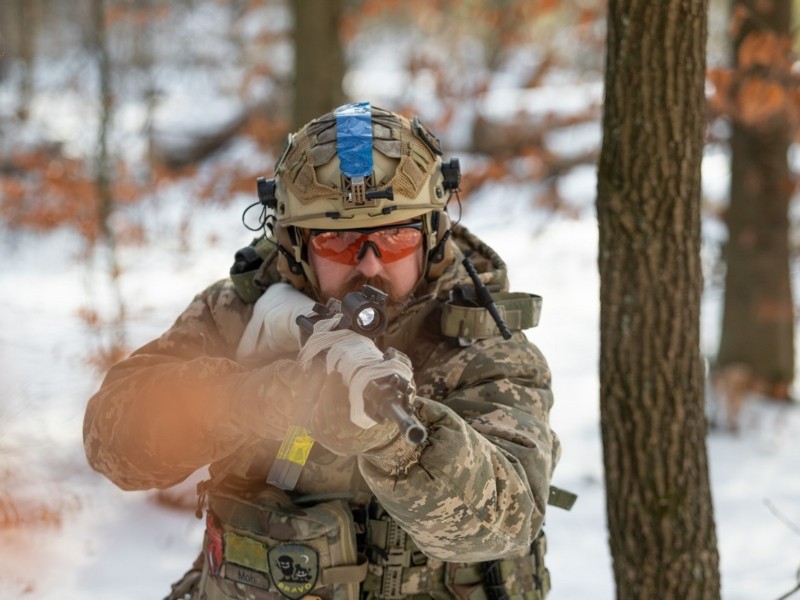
(272, 329)
(330, 423)
(339, 420)
(357, 359)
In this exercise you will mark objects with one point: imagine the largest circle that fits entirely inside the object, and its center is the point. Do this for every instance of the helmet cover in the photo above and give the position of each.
(358, 166)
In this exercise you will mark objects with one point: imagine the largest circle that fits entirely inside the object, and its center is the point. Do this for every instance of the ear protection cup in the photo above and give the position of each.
(293, 258)
(440, 253)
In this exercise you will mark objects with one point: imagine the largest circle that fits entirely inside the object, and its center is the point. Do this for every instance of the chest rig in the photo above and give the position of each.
(263, 545)
(388, 565)
(399, 569)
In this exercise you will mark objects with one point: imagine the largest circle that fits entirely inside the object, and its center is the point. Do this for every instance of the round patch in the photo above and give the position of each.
(294, 569)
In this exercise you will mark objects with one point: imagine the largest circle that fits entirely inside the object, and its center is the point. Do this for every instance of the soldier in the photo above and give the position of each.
(359, 197)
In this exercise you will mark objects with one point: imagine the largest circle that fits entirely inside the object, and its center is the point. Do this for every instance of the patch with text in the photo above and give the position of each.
(294, 569)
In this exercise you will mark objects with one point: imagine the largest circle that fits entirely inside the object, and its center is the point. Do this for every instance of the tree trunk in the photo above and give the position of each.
(104, 175)
(8, 28)
(26, 37)
(105, 202)
(758, 321)
(319, 59)
(660, 516)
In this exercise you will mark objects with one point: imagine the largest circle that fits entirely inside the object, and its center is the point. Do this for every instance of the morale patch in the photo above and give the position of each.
(294, 569)
(244, 551)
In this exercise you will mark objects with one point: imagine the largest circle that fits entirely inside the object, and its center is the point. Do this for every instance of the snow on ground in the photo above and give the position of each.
(125, 546)
(122, 545)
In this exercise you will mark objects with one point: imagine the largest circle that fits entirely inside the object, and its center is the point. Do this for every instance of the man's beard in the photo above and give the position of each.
(394, 304)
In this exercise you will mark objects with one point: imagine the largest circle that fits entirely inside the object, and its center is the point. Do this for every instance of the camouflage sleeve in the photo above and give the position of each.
(182, 401)
(478, 490)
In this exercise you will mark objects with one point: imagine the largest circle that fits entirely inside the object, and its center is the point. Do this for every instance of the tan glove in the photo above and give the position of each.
(273, 329)
(332, 427)
(357, 359)
(284, 393)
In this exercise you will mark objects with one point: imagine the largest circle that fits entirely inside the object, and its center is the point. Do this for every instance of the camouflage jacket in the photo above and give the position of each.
(477, 490)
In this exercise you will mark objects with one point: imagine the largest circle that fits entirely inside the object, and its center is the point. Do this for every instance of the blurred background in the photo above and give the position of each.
(132, 131)
(107, 106)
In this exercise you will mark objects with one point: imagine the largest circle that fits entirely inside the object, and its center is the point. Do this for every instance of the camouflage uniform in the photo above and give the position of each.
(474, 492)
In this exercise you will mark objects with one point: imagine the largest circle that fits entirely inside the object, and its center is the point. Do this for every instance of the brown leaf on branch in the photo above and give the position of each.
(42, 189)
(548, 5)
(139, 16)
(761, 100)
(765, 49)
(102, 359)
(494, 170)
(761, 91)
(589, 15)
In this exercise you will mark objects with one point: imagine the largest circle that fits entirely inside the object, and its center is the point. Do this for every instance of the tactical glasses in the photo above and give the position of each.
(348, 246)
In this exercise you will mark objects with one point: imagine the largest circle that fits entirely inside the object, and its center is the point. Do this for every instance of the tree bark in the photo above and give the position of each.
(758, 313)
(660, 515)
(319, 59)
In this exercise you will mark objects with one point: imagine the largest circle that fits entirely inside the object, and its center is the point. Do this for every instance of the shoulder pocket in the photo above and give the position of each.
(519, 310)
(248, 263)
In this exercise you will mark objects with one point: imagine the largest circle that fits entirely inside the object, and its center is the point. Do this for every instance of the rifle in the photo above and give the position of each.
(387, 397)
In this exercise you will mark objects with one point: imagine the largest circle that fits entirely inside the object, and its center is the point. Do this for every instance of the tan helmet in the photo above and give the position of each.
(360, 166)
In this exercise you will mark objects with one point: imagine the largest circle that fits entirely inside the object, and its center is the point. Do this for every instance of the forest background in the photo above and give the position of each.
(135, 125)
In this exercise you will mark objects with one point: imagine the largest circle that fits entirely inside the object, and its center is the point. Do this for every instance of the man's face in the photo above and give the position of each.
(388, 258)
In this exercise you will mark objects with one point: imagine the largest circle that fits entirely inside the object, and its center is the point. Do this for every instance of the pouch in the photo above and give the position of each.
(262, 546)
(519, 311)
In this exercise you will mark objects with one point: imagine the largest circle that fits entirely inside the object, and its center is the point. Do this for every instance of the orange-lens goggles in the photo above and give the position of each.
(348, 246)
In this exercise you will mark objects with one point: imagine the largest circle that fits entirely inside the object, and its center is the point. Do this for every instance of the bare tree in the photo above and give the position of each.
(758, 321)
(319, 59)
(660, 516)
(104, 171)
(19, 25)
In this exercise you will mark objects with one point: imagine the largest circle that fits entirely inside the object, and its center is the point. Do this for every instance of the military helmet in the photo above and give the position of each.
(360, 166)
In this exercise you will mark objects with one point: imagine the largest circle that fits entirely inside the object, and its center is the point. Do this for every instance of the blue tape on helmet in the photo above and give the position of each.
(354, 139)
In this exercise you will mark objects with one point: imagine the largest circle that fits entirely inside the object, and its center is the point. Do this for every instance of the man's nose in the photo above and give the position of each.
(369, 265)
